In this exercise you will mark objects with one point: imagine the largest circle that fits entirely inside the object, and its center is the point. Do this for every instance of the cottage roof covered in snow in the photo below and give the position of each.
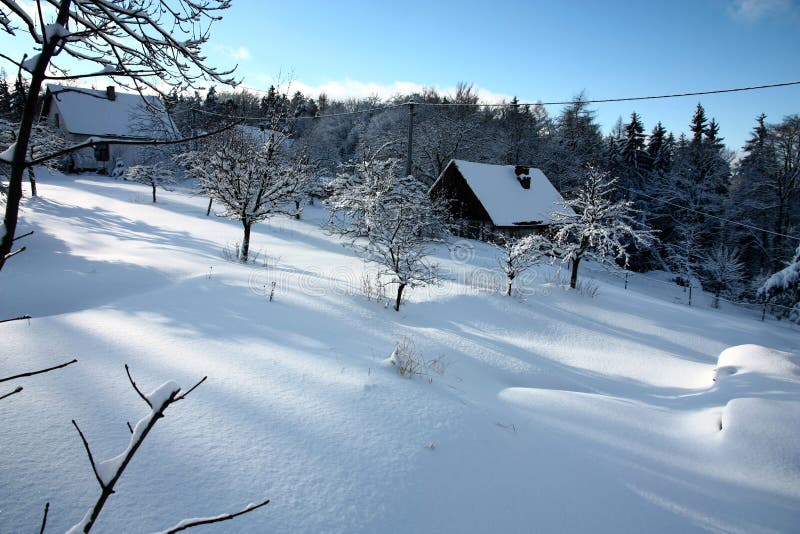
(109, 113)
(503, 196)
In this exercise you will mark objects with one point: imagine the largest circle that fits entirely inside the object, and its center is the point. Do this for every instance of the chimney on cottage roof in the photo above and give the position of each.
(523, 176)
(111, 93)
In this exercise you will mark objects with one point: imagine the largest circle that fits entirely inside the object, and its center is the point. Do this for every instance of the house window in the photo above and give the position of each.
(101, 152)
(58, 120)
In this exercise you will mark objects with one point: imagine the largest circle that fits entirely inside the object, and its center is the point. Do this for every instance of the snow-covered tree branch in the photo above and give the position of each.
(390, 220)
(108, 472)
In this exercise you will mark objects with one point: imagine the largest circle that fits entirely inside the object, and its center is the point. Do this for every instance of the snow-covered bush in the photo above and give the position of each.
(405, 359)
(785, 284)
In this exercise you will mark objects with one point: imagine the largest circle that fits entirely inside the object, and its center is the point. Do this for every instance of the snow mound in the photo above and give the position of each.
(756, 359)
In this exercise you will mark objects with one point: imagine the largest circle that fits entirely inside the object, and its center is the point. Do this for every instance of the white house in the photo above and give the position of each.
(81, 113)
(508, 198)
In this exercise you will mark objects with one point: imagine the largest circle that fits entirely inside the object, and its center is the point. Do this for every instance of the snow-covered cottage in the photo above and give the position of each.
(81, 113)
(508, 198)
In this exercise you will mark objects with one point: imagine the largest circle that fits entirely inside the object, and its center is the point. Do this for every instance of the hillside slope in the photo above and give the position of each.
(549, 412)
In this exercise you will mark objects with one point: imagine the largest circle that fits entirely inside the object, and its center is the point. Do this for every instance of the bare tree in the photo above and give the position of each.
(390, 220)
(138, 43)
(592, 225)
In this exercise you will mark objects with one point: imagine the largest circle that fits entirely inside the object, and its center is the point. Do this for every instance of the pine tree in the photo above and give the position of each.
(699, 124)
(18, 96)
(5, 96)
(659, 148)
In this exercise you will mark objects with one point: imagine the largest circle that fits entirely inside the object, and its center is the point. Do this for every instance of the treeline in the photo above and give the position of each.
(722, 221)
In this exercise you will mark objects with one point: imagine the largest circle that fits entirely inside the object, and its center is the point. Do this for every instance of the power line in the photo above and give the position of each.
(624, 99)
(723, 219)
(505, 104)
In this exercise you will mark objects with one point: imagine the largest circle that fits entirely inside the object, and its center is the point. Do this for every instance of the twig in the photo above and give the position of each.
(181, 397)
(20, 318)
(38, 372)
(127, 370)
(11, 254)
(91, 458)
(186, 524)
(44, 518)
(19, 388)
(129, 426)
(23, 235)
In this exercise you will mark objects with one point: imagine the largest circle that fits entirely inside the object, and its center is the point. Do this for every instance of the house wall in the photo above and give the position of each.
(84, 159)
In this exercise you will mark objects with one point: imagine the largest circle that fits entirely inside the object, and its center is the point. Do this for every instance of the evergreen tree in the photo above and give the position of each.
(699, 124)
(5, 96)
(18, 96)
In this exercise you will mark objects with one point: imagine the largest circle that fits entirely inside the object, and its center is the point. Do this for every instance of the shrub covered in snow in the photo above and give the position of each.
(785, 284)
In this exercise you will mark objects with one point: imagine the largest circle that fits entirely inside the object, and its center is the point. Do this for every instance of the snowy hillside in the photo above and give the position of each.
(549, 412)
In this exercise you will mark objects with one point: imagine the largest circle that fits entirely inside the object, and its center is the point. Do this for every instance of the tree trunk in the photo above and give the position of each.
(400, 289)
(208, 211)
(573, 280)
(154, 191)
(14, 195)
(297, 209)
(510, 281)
(32, 178)
(245, 241)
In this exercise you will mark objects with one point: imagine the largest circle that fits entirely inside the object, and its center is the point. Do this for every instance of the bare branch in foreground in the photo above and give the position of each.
(44, 518)
(20, 318)
(108, 472)
(183, 396)
(12, 254)
(89, 453)
(136, 388)
(21, 375)
(153, 142)
(17, 238)
(189, 523)
(19, 388)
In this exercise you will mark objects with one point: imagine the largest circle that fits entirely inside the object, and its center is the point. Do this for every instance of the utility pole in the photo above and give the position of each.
(410, 136)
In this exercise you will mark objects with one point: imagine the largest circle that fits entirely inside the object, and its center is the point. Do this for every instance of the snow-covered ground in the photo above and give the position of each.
(552, 411)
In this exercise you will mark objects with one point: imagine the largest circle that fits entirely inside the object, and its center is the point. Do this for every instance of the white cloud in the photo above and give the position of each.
(753, 10)
(240, 53)
(347, 88)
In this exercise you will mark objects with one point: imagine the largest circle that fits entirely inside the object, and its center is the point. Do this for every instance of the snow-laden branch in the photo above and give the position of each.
(108, 472)
(189, 523)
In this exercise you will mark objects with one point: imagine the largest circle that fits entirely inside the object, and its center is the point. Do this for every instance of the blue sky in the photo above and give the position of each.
(535, 50)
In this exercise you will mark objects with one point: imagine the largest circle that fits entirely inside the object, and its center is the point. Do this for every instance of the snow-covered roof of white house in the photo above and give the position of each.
(110, 113)
(503, 197)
